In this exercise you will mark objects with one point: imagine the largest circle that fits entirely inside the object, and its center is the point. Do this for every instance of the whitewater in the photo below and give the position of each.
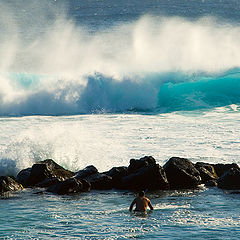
(100, 82)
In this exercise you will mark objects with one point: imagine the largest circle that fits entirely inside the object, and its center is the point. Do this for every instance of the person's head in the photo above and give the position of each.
(141, 194)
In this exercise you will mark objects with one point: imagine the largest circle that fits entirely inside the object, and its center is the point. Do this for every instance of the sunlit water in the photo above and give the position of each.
(99, 82)
(199, 214)
(111, 140)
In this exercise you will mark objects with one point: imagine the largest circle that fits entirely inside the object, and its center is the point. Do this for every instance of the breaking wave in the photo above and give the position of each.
(152, 93)
(154, 64)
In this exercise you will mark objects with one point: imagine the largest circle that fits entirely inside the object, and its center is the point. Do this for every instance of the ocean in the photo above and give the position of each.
(98, 82)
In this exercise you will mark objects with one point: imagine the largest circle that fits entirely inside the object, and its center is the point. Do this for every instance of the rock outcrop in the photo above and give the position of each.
(86, 172)
(8, 184)
(117, 173)
(23, 176)
(221, 168)
(144, 174)
(69, 186)
(230, 179)
(141, 174)
(181, 173)
(151, 177)
(100, 181)
(207, 172)
(42, 171)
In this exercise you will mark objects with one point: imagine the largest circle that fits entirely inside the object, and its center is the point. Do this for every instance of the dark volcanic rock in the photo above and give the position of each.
(69, 186)
(230, 179)
(207, 172)
(8, 184)
(23, 176)
(42, 171)
(97, 180)
(221, 168)
(142, 162)
(48, 182)
(87, 171)
(100, 181)
(86, 186)
(181, 173)
(211, 183)
(150, 177)
(117, 173)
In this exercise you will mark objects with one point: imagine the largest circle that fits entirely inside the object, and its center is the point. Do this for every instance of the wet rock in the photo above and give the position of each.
(100, 181)
(150, 177)
(207, 172)
(69, 186)
(136, 164)
(42, 171)
(23, 176)
(8, 184)
(87, 171)
(221, 168)
(230, 179)
(181, 173)
(117, 173)
(86, 186)
(48, 182)
(211, 183)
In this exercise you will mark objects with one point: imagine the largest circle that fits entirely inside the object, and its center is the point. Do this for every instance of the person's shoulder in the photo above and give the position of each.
(147, 199)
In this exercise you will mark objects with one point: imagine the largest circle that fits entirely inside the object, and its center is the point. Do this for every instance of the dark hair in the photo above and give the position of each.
(141, 194)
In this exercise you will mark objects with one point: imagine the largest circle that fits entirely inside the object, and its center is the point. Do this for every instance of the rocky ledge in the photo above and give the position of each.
(141, 174)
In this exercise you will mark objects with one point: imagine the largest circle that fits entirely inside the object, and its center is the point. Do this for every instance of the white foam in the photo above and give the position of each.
(68, 52)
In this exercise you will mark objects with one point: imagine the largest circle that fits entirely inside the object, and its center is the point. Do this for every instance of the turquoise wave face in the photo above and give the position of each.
(149, 93)
(201, 92)
(25, 80)
(166, 92)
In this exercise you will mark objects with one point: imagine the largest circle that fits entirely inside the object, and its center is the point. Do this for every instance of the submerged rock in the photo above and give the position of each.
(230, 179)
(8, 184)
(42, 171)
(181, 173)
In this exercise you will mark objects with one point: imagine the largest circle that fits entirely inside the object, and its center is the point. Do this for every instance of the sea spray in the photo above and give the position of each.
(65, 69)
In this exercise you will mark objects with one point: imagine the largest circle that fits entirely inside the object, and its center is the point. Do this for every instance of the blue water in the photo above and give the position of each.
(100, 82)
(199, 214)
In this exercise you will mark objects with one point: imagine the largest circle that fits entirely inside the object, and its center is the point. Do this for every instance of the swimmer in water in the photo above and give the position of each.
(141, 202)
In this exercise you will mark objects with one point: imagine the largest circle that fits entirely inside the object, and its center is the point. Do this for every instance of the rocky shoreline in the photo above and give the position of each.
(141, 174)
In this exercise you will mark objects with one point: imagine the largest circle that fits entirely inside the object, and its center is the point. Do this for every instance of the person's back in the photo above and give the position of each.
(141, 203)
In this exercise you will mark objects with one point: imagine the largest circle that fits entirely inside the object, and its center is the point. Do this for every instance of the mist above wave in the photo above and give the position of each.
(64, 68)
